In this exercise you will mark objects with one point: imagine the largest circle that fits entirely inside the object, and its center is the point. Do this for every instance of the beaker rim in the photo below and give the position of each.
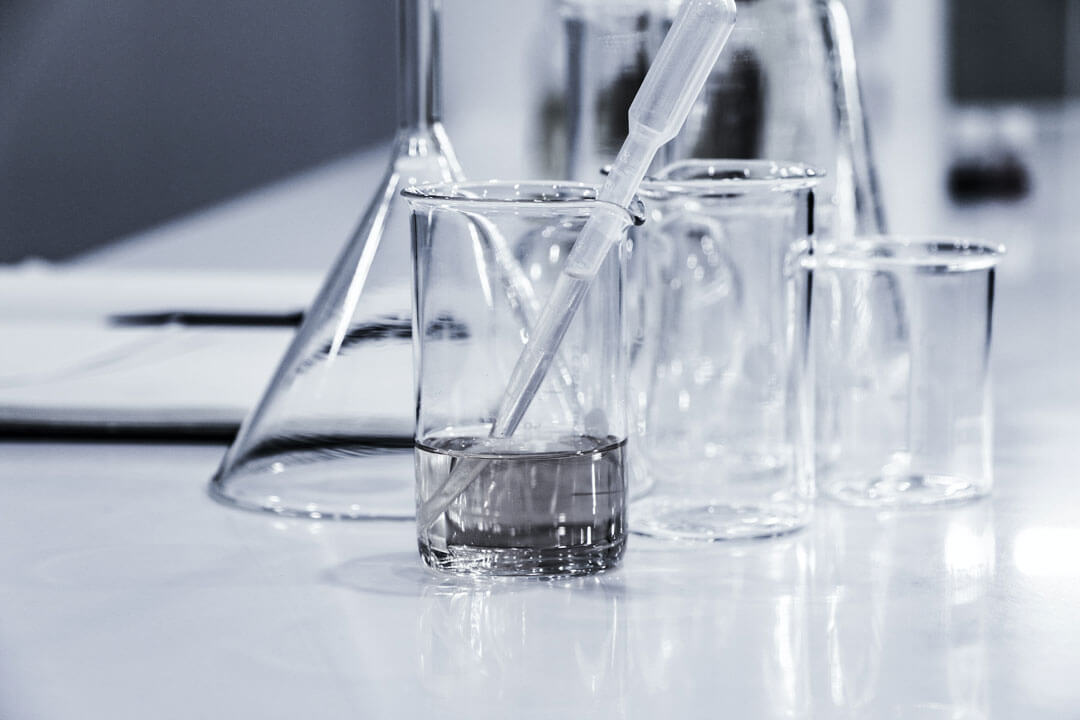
(724, 176)
(924, 253)
(518, 195)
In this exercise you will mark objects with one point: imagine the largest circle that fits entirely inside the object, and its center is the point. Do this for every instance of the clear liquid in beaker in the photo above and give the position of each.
(557, 512)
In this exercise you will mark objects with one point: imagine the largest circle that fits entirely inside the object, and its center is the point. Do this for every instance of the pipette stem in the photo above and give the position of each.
(536, 357)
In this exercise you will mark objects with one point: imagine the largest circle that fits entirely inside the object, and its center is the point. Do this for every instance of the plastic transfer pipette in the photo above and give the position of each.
(674, 81)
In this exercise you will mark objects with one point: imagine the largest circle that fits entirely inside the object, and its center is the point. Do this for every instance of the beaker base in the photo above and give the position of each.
(674, 519)
(535, 562)
(902, 490)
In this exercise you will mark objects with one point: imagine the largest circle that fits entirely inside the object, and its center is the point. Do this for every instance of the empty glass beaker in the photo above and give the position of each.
(901, 338)
(551, 498)
(719, 392)
(332, 435)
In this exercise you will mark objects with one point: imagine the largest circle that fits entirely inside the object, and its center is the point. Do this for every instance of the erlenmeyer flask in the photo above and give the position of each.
(332, 435)
(788, 89)
(785, 89)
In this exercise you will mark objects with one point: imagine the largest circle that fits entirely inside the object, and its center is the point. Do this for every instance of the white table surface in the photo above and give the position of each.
(126, 593)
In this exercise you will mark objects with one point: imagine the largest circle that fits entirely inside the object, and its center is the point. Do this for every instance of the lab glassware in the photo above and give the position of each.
(901, 335)
(786, 87)
(719, 390)
(550, 498)
(332, 434)
(674, 80)
(609, 45)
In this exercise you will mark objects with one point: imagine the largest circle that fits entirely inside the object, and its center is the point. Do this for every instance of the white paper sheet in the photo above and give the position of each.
(64, 366)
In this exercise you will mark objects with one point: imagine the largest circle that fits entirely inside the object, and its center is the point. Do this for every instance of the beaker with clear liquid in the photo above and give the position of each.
(550, 499)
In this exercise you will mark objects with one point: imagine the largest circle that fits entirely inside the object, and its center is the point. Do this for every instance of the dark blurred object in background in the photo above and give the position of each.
(1003, 178)
(1006, 58)
(117, 115)
(990, 154)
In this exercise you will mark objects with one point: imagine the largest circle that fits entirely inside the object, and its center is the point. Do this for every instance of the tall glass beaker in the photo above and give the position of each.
(332, 435)
(550, 499)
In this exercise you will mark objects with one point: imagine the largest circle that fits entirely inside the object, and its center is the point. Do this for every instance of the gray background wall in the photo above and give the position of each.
(1010, 50)
(117, 114)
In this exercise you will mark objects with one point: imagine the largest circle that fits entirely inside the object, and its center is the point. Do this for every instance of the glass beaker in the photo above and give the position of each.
(550, 499)
(332, 435)
(719, 392)
(901, 337)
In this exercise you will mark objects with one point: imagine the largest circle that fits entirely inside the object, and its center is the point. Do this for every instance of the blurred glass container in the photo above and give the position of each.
(786, 86)
(609, 46)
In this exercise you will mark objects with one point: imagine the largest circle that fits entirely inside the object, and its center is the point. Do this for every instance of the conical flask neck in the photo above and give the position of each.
(419, 63)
